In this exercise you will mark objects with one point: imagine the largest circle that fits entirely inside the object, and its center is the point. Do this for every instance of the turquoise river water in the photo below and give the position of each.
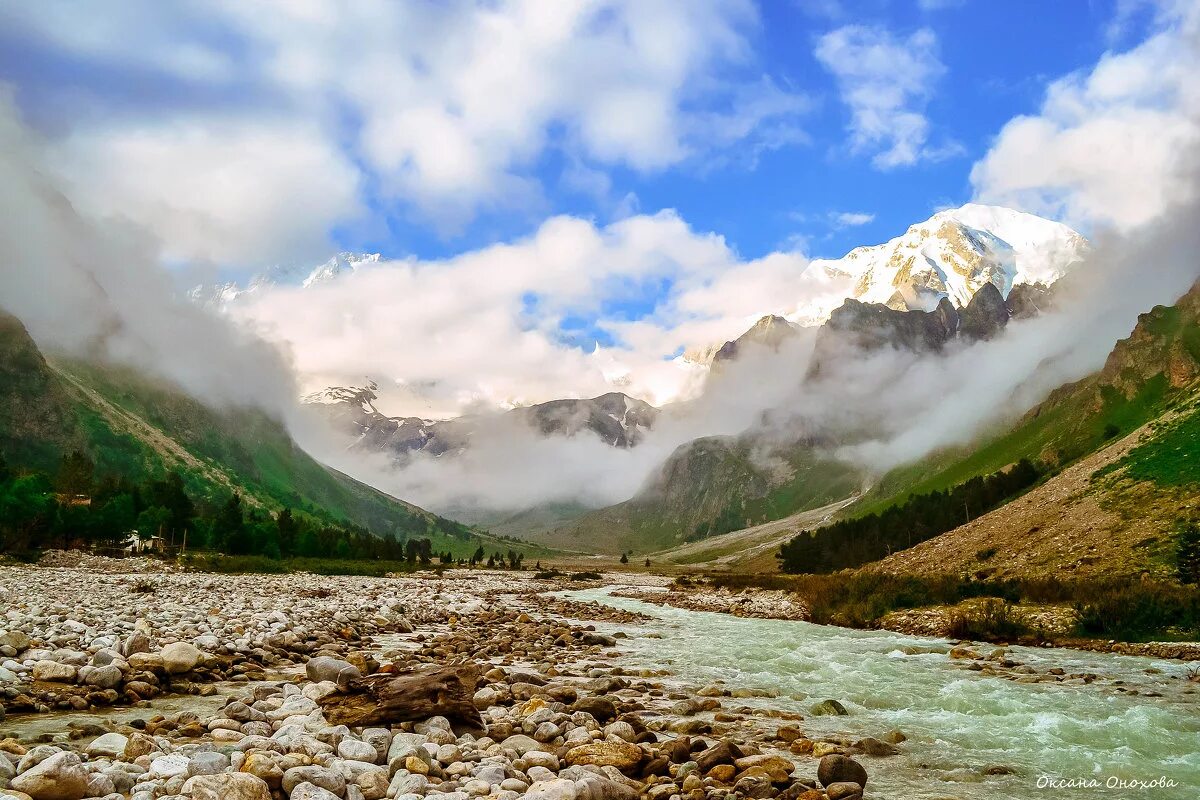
(1084, 741)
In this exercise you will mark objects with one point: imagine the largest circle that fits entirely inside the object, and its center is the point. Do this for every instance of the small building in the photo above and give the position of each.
(136, 545)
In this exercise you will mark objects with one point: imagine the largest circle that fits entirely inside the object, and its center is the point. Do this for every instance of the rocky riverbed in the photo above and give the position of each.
(272, 662)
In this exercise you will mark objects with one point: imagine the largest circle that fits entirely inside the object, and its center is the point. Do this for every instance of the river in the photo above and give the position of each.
(958, 722)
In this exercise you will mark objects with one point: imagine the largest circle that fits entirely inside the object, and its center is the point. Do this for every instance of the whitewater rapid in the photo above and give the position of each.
(1092, 739)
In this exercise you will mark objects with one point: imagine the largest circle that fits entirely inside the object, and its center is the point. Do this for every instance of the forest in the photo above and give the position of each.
(861, 540)
(75, 508)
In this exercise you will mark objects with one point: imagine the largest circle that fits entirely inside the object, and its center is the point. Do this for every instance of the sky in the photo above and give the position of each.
(549, 177)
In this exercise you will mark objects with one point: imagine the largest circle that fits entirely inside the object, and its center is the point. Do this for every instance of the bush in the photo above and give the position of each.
(585, 576)
(993, 620)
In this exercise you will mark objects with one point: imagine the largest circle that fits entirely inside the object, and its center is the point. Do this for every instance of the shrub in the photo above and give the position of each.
(993, 620)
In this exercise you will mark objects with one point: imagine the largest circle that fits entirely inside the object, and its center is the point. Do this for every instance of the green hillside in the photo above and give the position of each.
(140, 430)
(706, 488)
(1148, 374)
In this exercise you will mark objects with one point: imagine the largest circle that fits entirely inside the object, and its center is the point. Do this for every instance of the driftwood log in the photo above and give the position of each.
(384, 699)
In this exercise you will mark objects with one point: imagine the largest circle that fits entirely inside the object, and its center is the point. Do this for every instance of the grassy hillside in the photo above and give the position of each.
(706, 488)
(139, 429)
(1148, 374)
(1123, 448)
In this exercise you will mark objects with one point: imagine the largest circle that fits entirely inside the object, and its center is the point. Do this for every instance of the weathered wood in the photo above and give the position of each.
(384, 699)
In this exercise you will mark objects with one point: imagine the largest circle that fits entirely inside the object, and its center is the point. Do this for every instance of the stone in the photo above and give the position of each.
(829, 708)
(139, 744)
(17, 640)
(407, 783)
(622, 755)
(601, 708)
(840, 769)
(521, 743)
(319, 776)
(227, 786)
(207, 763)
(845, 790)
(777, 768)
(354, 750)
(874, 747)
(308, 791)
(110, 745)
(62, 776)
(107, 677)
(327, 668)
(168, 766)
(180, 657)
(556, 789)
(54, 672)
(719, 753)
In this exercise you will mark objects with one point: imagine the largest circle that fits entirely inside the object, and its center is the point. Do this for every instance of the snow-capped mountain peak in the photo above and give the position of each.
(223, 294)
(952, 254)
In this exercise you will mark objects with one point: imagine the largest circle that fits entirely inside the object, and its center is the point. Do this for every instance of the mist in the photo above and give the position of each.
(96, 289)
(877, 409)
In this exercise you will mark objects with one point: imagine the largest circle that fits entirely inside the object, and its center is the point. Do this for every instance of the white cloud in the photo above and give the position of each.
(448, 108)
(1104, 148)
(852, 219)
(886, 82)
(485, 326)
(234, 192)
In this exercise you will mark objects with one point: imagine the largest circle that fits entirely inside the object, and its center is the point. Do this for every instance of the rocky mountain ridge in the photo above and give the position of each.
(615, 418)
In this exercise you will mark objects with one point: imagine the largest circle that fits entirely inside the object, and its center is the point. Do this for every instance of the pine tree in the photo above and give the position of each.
(624, 558)
(1187, 552)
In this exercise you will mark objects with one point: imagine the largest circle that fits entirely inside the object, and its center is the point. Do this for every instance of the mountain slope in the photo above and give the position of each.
(706, 488)
(1126, 444)
(137, 429)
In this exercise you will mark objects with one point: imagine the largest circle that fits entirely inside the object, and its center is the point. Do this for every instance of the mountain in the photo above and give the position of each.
(137, 428)
(1122, 446)
(220, 295)
(708, 487)
(770, 333)
(617, 419)
(952, 255)
(715, 485)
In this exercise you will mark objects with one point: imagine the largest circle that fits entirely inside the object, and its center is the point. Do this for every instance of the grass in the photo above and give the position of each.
(1171, 457)
(260, 565)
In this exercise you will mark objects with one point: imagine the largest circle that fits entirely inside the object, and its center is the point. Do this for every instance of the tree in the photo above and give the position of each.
(624, 558)
(1187, 552)
(76, 474)
(231, 525)
(288, 530)
(647, 562)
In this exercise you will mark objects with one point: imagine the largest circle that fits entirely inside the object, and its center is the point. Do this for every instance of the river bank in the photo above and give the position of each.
(1035, 624)
(149, 685)
(166, 684)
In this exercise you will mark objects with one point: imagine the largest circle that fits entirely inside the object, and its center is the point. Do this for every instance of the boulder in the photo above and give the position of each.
(107, 677)
(227, 786)
(327, 668)
(180, 657)
(829, 708)
(601, 708)
(840, 769)
(308, 791)
(110, 745)
(60, 777)
(54, 671)
(622, 755)
(845, 790)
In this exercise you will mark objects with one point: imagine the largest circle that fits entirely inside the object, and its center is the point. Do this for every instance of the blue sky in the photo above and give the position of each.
(996, 60)
(999, 57)
(557, 174)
